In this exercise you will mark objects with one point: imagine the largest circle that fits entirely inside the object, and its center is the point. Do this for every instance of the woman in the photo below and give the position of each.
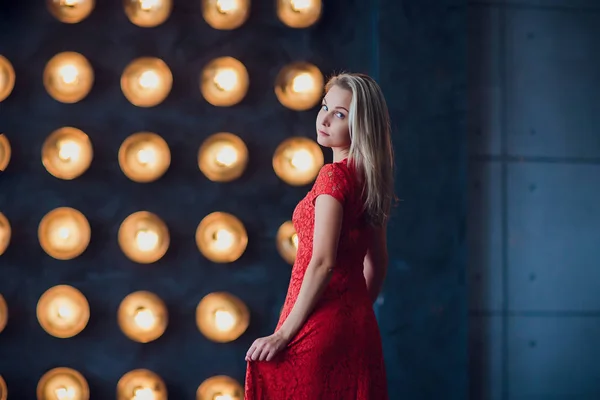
(327, 345)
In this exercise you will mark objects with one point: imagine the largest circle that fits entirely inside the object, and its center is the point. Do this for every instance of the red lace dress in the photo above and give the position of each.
(337, 354)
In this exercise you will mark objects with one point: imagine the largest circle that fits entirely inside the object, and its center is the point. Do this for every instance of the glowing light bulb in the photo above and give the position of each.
(63, 393)
(224, 320)
(222, 397)
(226, 79)
(144, 318)
(301, 160)
(143, 393)
(226, 156)
(149, 80)
(68, 150)
(303, 82)
(146, 240)
(69, 74)
(223, 240)
(295, 240)
(146, 156)
(226, 6)
(300, 5)
(148, 5)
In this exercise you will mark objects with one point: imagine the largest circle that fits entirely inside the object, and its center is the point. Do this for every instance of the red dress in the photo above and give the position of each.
(337, 354)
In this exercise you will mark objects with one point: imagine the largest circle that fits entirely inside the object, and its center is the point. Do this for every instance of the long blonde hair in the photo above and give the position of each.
(371, 150)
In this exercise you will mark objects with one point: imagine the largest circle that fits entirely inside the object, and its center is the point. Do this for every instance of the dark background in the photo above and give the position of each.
(416, 50)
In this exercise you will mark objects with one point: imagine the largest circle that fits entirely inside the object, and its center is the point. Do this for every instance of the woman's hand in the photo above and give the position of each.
(266, 348)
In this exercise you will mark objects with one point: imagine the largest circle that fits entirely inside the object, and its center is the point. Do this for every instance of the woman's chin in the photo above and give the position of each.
(322, 140)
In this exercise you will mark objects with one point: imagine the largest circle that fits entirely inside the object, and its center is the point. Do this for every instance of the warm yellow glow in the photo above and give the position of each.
(7, 78)
(144, 237)
(222, 317)
(223, 157)
(221, 237)
(3, 316)
(148, 13)
(299, 86)
(220, 387)
(70, 11)
(144, 157)
(146, 81)
(287, 242)
(141, 384)
(67, 153)
(3, 389)
(143, 316)
(68, 77)
(299, 13)
(63, 384)
(225, 14)
(63, 311)
(224, 82)
(64, 233)
(5, 152)
(5, 233)
(297, 161)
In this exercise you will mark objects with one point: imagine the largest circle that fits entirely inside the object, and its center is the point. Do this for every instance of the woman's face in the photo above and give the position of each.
(333, 129)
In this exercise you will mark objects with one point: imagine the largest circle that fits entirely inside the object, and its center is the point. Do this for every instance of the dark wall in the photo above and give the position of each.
(416, 51)
(534, 190)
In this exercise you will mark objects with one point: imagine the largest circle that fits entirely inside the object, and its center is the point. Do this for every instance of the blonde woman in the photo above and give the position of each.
(327, 343)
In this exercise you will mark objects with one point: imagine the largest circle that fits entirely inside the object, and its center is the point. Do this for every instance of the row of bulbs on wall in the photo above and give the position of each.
(64, 383)
(64, 234)
(147, 81)
(63, 312)
(67, 153)
(219, 14)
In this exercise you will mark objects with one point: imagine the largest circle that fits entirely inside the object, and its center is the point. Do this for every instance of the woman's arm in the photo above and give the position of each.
(328, 222)
(376, 261)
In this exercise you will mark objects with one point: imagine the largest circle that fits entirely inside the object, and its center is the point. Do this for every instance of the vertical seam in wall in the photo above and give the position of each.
(375, 39)
(504, 200)
(374, 72)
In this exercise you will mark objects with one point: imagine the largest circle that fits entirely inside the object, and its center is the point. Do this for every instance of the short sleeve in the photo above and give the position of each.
(332, 180)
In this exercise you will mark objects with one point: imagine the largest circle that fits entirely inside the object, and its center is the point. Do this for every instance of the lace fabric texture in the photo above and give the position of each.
(337, 354)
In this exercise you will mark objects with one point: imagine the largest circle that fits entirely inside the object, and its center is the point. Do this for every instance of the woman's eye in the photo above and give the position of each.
(340, 115)
(324, 107)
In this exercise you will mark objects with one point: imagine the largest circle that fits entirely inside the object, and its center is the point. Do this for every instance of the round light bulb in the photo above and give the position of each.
(223, 157)
(5, 152)
(297, 161)
(221, 237)
(299, 13)
(222, 317)
(141, 384)
(63, 384)
(146, 81)
(148, 13)
(63, 311)
(67, 153)
(70, 11)
(144, 157)
(220, 387)
(225, 14)
(64, 233)
(224, 82)
(142, 316)
(68, 77)
(299, 86)
(7, 78)
(144, 237)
